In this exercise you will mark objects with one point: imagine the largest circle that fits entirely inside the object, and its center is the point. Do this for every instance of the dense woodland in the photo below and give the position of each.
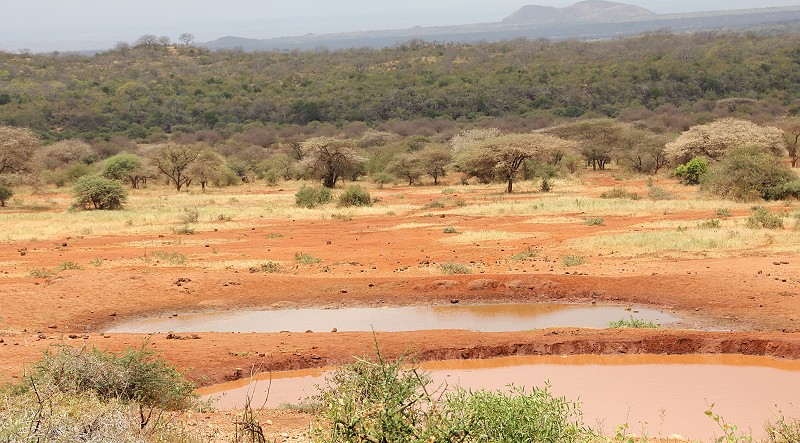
(488, 111)
(152, 89)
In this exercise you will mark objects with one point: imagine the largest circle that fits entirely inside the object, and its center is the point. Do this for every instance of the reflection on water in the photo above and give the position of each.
(662, 394)
(487, 318)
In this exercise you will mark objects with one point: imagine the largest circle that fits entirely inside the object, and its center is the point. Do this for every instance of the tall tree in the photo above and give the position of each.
(434, 160)
(791, 133)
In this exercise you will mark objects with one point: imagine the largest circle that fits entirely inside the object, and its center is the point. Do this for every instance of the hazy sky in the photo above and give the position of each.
(86, 24)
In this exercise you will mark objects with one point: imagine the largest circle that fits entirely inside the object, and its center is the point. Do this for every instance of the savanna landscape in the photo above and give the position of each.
(161, 179)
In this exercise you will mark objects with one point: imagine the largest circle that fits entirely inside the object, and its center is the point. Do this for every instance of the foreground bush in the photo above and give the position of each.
(82, 394)
(355, 195)
(308, 197)
(99, 192)
(383, 402)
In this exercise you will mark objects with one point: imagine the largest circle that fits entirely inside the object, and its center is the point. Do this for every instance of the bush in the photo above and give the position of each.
(5, 194)
(454, 268)
(355, 195)
(633, 323)
(762, 218)
(135, 375)
(384, 402)
(785, 191)
(748, 174)
(99, 192)
(308, 197)
(692, 173)
(617, 192)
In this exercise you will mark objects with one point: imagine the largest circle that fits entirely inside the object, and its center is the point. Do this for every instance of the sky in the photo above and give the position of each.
(47, 25)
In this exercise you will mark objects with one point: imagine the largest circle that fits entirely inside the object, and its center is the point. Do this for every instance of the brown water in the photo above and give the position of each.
(486, 318)
(659, 395)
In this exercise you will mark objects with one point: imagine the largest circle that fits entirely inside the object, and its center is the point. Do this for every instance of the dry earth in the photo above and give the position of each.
(739, 299)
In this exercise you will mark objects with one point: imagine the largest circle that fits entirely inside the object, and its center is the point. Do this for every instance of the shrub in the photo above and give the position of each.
(134, 375)
(634, 323)
(762, 218)
(573, 260)
(189, 216)
(748, 174)
(709, 224)
(528, 253)
(269, 267)
(595, 221)
(355, 195)
(618, 192)
(99, 192)
(68, 265)
(723, 212)
(308, 197)
(5, 194)
(449, 230)
(385, 402)
(454, 268)
(545, 186)
(692, 172)
(785, 191)
(382, 179)
(305, 259)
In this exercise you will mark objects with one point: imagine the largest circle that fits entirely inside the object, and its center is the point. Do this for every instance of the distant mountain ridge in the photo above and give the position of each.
(585, 20)
(588, 10)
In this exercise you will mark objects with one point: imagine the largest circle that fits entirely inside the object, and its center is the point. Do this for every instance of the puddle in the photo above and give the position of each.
(485, 318)
(656, 395)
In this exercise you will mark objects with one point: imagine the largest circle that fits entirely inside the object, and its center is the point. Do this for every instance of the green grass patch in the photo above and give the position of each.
(305, 259)
(633, 323)
(573, 260)
(454, 268)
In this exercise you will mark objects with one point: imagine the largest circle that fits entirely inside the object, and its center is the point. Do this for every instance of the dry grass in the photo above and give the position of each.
(479, 236)
(156, 211)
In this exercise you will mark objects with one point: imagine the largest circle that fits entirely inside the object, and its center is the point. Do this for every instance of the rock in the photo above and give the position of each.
(334, 330)
(53, 327)
(454, 301)
(446, 284)
(483, 284)
(309, 331)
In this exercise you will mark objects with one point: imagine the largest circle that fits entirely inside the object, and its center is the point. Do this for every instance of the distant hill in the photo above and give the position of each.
(586, 20)
(588, 10)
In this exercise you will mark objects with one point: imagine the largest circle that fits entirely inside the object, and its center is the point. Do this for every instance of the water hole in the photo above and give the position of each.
(654, 394)
(484, 318)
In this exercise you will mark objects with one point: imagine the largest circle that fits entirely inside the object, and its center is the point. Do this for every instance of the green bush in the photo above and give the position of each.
(573, 260)
(617, 192)
(99, 192)
(633, 323)
(785, 191)
(386, 402)
(454, 268)
(135, 375)
(355, 195)
(762, 218)
(5, 194)
(747, 174)
(308, 197)
(692, 173)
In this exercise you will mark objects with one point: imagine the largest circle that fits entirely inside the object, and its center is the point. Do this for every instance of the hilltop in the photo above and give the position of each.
(588, 10)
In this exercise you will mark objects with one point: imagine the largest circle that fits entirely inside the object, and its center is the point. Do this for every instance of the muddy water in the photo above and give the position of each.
(656, 395)
(486, 318)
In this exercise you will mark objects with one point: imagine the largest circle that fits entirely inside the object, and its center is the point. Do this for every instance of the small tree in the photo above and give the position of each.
(99, 192)
(791, 133)
(407, 166)
(692, 172)
(17, 148)
(205, 168)
(5, 194)
(174, 161)
(125, 167)
(330, 159)
(434, 160)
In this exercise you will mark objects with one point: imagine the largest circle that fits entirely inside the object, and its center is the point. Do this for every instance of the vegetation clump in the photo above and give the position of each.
(633, 323)
(5, 194)
(308, 197)
(748, 173)
(763, 218)
(99, 193)
(355, 195)
(383, 401)
(454, 268)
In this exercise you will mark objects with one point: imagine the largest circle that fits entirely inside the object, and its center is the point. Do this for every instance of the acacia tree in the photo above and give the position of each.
(506, 154)
(406, 165)
(330, 158)
(598, 139)
(643, 150)
(126, 167)
(174, 162)
(713, 140)
(205, 168)
(434, 160)
(17, 148)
